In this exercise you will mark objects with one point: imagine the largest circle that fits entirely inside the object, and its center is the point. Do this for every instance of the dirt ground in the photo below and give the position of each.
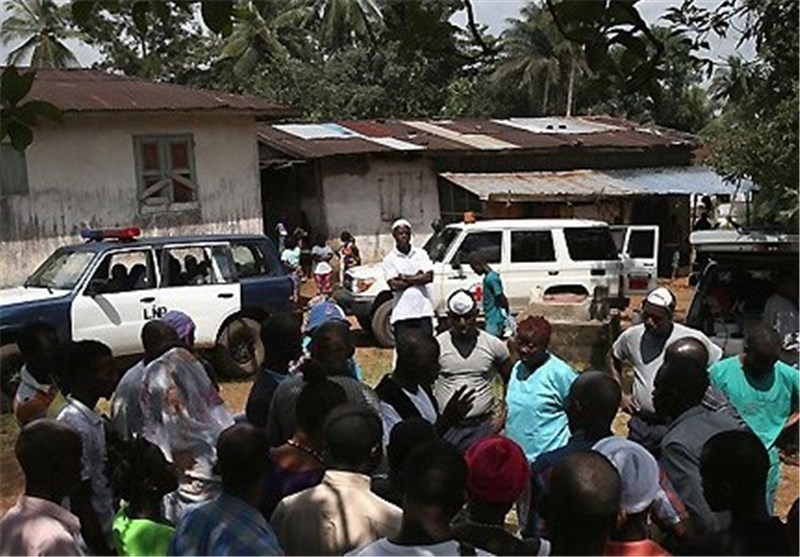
(375, 362)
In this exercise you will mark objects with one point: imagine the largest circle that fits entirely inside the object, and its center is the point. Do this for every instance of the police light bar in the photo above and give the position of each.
(121, 234)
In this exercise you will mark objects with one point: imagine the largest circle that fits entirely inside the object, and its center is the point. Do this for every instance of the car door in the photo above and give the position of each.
(456, 271)
(200, 280)
(639, 257)
(119, 298)
(533, 267)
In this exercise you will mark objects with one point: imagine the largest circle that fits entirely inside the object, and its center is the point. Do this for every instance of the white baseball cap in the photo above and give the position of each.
(661, 297)
(637, 469)
(400, 222)
(460, 303)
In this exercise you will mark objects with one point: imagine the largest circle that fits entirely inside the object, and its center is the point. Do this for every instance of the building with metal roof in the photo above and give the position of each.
(361, 175)
(170, 159)
(84, 91)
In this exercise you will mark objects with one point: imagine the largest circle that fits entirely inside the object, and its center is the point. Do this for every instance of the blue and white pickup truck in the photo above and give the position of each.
(107, 288)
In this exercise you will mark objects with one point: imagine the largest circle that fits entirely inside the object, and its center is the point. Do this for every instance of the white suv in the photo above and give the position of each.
(536, 259)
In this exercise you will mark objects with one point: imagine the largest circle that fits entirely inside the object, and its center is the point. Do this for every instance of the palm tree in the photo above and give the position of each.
(735, 81)
(343, 20)
(270, 30)
(42, 26)
(539, 58)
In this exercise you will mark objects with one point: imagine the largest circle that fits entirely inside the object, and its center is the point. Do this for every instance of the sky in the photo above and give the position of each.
(494, 14)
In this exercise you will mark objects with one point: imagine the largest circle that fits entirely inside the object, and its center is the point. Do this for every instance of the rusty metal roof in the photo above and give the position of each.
(90, 91)
(468, 135)
(583, 184)
(527, 186)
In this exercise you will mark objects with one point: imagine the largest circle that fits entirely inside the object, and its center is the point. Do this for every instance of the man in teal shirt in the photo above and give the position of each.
(763, 390)
(495, 303)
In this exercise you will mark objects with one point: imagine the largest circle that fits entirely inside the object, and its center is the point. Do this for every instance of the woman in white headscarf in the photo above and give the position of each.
(183, 415)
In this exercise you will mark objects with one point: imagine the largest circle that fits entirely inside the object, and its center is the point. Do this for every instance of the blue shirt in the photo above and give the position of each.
(537, 419)
(492, 310)
(226, 525)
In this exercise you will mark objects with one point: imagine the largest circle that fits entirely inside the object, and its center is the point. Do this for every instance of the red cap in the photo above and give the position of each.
(498, 470)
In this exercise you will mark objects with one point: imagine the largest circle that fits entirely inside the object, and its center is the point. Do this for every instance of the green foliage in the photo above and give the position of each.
(42, 26)
(18, 118)
(756, 136)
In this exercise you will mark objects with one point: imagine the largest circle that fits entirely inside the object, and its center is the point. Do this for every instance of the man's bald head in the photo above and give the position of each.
(353, 438)
(682, 379)
(583, 501)
(687, 351)
(592, 402)
(156, 335)
(49, 453)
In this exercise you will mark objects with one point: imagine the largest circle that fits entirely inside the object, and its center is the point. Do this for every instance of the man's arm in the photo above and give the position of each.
(615, 362)
(684, 473)
(397, 284)
(418, 279)
(81, 505)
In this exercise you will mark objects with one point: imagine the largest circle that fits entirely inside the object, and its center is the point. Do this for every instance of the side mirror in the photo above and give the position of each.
(456, 262)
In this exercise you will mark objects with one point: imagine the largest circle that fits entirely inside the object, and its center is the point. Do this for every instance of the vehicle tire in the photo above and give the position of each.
(239, 352)
(381, 327)
(365, 323)
(10, 364)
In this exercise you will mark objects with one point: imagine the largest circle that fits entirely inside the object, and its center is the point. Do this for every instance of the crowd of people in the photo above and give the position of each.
(463, 429)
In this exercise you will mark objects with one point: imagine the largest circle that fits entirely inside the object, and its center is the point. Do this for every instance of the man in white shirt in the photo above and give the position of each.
(409, 271)
(643, 346)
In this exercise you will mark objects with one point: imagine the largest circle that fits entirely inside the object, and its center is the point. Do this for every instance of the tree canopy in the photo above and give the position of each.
(339, 59)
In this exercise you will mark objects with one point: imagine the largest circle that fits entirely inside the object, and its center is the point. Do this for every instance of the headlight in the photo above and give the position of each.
(362, 285)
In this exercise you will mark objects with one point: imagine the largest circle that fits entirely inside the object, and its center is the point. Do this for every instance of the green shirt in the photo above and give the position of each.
(764, 403)
(492, 310)
(139, 536)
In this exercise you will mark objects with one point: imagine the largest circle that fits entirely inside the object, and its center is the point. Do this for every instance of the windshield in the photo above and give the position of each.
(62, 270)
(437, 245)
(591, 244)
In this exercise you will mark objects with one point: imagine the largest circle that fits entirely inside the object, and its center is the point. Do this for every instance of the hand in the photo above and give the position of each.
(457, 407)
(628, 405)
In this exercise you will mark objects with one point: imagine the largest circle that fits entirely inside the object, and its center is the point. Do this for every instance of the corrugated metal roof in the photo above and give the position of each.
(678, 180)
(529, 186)
(530, 134)
(82, 91)
(526, 186)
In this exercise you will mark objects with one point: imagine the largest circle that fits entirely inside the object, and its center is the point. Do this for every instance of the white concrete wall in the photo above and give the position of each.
(82, 173)
(366, 201)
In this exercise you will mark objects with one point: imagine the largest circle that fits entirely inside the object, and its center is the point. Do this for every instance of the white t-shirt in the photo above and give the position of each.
(415, 301)
(646, 353)
(385, 547)
(422, 403)
(474, 372)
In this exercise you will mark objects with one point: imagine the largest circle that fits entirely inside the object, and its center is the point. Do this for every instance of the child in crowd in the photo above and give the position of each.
(141, 476)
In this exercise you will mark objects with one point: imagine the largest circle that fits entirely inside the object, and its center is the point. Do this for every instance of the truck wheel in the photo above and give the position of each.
(381, 328)
(239, 352)
(10, 364)
(365, 323)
